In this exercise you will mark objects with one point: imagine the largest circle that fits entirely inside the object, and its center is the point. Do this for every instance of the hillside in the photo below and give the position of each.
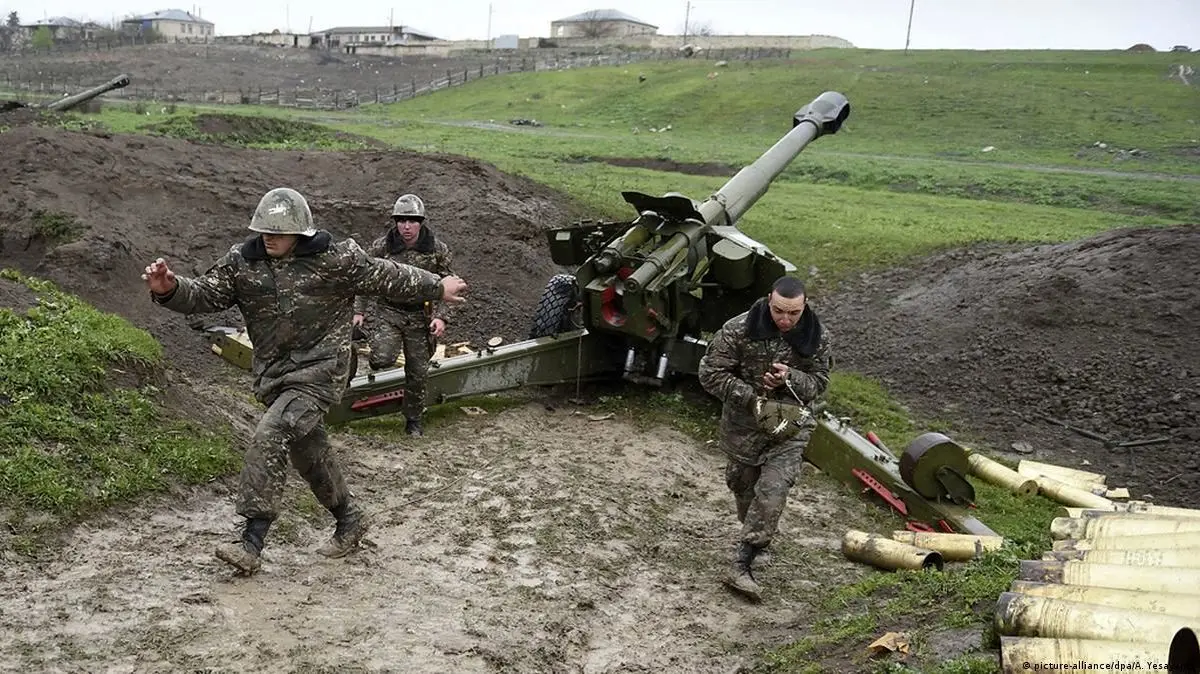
(966, 289)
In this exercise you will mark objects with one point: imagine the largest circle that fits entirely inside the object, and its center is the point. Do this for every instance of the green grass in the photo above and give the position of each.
(72, 440)
(907, 175)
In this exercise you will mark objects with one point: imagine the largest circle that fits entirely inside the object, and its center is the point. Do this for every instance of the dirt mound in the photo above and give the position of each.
(261, 131)
(133, 198)
(1098, 333)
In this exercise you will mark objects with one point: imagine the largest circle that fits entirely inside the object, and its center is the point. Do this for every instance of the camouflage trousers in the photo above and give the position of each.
(292, 427)
(417, 344)
(761, 491)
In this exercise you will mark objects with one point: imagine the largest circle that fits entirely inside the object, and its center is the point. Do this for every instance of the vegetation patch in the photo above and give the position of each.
(80, 425)
(258, 131)
(56, 228)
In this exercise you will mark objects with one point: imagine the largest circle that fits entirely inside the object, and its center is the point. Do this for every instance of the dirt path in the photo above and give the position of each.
(496, 548)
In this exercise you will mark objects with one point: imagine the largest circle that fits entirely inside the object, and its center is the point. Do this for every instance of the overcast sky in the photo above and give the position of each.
(880, 24)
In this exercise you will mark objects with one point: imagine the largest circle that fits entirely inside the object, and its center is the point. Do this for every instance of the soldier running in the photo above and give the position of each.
(295, 288)
(406, 325)
(778, 350)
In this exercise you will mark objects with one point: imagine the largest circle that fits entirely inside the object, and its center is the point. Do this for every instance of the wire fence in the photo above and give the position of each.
(53, 86)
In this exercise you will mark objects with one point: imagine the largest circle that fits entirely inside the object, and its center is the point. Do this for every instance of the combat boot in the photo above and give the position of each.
(351, 527)
(413, 427)
(244, 555)
(740, 577)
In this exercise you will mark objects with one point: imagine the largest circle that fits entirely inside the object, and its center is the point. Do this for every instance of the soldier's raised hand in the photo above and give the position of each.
(452, 289)
(159, 277)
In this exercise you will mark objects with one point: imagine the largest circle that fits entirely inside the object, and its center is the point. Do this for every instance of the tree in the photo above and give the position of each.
(42, 38)
(593, 25)
(8, 31)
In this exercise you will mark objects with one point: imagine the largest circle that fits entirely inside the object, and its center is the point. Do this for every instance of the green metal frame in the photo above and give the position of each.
(840, 452)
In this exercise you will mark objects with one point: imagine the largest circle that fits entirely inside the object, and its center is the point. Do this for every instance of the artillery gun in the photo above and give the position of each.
(72, 101)
(644, 294)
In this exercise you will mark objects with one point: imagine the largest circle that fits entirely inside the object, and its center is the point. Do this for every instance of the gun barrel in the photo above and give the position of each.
(82, 97)
(824, 115)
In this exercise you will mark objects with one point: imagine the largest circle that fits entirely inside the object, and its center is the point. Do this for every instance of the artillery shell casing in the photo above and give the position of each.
(884, 553)
(1000, 475)
(1121, 524)
(953, 547)
(1116, 576)
(1087, 485)
(1069, 474)
(1022, 615)
(1071, 496)
(1185, 558)
(1141, 507)
(1187, 539)
(1183, 605)
(1017, 652)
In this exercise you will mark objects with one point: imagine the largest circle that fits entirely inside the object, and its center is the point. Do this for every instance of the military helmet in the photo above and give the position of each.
(409, 206)
(283, 211)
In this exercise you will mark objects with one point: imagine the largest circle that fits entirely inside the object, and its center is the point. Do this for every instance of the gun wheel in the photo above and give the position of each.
(554, 310)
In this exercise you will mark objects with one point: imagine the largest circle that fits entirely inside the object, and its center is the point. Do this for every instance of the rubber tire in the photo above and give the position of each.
(553, 312)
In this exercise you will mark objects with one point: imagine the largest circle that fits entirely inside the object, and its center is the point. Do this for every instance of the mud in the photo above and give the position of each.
(1098, 333)
(711, 168)
(510, 542)
(132, 199)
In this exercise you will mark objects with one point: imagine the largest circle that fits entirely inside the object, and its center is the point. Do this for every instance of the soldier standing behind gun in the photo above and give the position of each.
(778, 350)
(411, 326)
(295, 288)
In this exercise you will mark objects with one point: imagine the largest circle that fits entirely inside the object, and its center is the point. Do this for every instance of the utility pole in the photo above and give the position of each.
(488, 41)
(687, 13)
(908, 35)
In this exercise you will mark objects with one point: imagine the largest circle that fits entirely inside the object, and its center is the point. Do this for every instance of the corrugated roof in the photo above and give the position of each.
(170, 15)
(603, 15)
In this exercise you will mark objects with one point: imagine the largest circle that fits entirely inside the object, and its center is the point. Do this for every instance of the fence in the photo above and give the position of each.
(334, 99)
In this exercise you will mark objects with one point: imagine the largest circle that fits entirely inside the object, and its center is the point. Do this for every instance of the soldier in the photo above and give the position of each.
(404, 324)
(776, 351)
(295, 287)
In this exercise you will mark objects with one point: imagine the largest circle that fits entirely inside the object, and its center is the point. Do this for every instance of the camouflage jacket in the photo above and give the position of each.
(735, 361)
(298, 308)
(428, 253)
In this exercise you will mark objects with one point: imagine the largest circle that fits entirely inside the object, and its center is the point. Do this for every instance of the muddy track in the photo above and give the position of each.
(526, 541)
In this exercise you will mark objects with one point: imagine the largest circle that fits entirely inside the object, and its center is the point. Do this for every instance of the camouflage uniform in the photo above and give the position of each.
(400, 325)
(762, 468)
(297, 311)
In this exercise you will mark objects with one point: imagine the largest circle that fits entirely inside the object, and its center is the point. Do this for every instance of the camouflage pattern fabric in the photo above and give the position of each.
(292, 427)
(298, 308)
(405, 327)
(763, 466)
(761, 491)
(428, 253)
(417, 344)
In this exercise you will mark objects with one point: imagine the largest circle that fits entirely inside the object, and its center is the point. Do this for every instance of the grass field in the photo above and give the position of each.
(907, 176)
